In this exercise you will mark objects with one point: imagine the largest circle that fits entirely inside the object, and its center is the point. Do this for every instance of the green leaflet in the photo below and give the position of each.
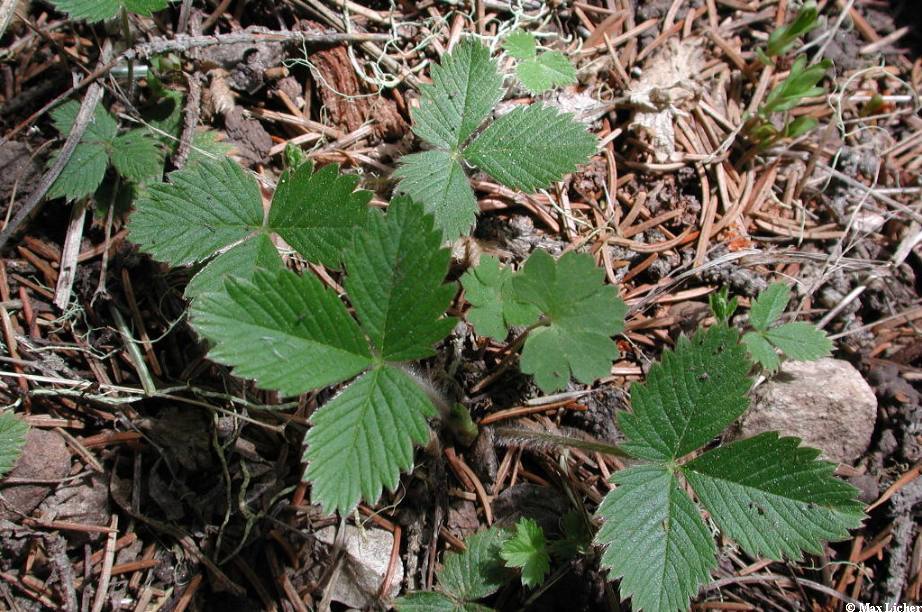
(521, 45)
(494, 305)
(362, 439)
(437, 180)
(13, 432)
(395, 272)
(528, 550)
(92, 11)
(689, 397)
(773, 497)
(582, 314)
(654, 539)
(317, 213)
(761, 351)
(288, 332)
(465, 87)
(241, 261)
(800, 341)
(201, 210)
(769, 306)
(210, 205)
(531, 147)
(137, 156)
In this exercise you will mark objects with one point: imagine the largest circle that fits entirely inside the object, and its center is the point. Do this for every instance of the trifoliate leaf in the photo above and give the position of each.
(654, 540)
(362, 439)
(83, 172)
(546, 71)
(527, 549)
(241, 261)
(689, 397)
(521, 45)
(87, 165)
(531, 147)
(800, 341)
(92, 11)
(494, 305)
(437, 180)
(478, 571)
(395, 273)
(465, 87)
(761, 351)
(582, 315)
(773, 497)
(13, 432)
(288, 332)
(203, 208)
(318, 213)
(137, 155)
(769, 305)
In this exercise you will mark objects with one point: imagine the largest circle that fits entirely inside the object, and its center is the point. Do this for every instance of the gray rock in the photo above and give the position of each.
(826, 403)
(367, 553)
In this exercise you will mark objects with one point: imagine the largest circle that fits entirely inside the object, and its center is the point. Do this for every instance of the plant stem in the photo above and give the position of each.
(514, 434)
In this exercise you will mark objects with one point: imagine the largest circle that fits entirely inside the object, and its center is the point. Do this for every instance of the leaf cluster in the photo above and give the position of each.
(797, 340)
(528, 148)
(538, 72)
(571, 312)
(135, 155)
(800, 83)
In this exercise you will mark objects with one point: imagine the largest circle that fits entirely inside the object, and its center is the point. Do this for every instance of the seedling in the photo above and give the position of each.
(99, 10)
(782, 39)
(528, 148)
(13, 432)
(538, 72)
(800, 83)
(135, 155)
(796, 340)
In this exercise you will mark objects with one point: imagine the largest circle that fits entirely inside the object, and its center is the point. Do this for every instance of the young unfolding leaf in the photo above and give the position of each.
(290, 333)
(797, 340)
(494, 305)
(538, 73)
(465, 87)
(654, 539)
(773, 497)
(689, 397)
(465, 577)
(527, 549)
(581, 312)
(92, 11)
(213, 206)
(13, 432)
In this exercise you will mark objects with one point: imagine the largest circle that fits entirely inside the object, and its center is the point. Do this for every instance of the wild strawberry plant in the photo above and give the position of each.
(528, 148)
